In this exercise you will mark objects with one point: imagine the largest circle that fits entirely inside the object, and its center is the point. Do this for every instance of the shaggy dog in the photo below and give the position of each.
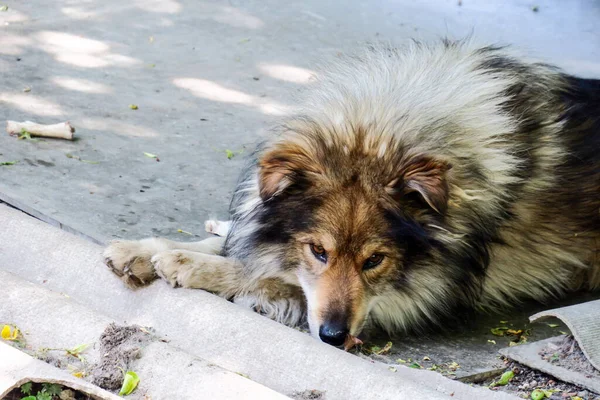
(411, 182)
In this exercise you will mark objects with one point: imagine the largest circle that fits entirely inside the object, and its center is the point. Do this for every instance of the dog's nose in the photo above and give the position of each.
(333, 334)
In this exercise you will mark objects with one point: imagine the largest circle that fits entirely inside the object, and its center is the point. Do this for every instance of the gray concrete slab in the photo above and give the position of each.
(18, 368)
(201, 324)
(51, 320)
(191, 68)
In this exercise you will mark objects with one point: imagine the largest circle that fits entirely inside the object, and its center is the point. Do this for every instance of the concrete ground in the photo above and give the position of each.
(210, 77)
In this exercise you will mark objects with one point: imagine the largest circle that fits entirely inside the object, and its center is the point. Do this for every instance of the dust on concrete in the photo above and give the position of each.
(119, 346)
(309, 394)
(566, 353)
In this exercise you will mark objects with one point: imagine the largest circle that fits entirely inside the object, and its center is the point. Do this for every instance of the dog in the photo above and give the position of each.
(412, 182)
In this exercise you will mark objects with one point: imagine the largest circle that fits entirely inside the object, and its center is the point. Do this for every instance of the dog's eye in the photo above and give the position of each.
(319, 252)
(372, 261)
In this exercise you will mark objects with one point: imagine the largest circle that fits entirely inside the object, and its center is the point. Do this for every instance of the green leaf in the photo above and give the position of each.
(553, 325)
(4, 8)
(499, 331)
(52, 388)
(504, 379)
(130, 382)
(415, 365)
(44, 396)
(133, 106)
(26, 388)
(230, 154)
(75, 351)
(29, 398)
(8, 162)
(538, 394)
(150, 155)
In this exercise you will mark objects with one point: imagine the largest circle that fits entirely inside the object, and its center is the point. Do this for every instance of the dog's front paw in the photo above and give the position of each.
(173, 266)
(130, 260)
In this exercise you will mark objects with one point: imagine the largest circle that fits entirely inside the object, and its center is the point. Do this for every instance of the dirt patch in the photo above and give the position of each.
(119, 346)
(310, 394)
(526, 380)
(566, 353)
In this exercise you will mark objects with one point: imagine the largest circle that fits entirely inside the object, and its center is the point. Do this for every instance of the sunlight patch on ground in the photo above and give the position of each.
(12, 15)
(213, 91)
(77, 13)
(158, 6)
(237, 18)
(80, 51)
(31, 104)
(287, 73)
(80, 85)
(13, 44)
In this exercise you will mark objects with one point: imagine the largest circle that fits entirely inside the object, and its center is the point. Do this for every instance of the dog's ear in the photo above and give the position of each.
(426, 176)
(280, 167)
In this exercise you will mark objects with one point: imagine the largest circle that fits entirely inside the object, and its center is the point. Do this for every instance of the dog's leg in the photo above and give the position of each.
(225, 277)
(130, 259)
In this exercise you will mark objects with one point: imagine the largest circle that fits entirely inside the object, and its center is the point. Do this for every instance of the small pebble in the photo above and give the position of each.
(583, 394)
(533, 384)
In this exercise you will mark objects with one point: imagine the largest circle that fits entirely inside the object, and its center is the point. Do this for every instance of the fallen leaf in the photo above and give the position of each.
(504, 322)
(379, 351)
(504, 379)
(78, 374)
(8, 162)
(453, 366)
(9, 333)
(415, 365)
(514, 332)
(133, 106)
(401, 361)
(150, 155)
(187, 233)
(393, 369)
(426, 358)
(492, 341)
(130, 382)
(563, 332)
(553, 325)
(5, 332)
(24, 135)
(27, 89)
(4, 8)
(78, 349)
(537, 394)
(499, 331)
(230, 154)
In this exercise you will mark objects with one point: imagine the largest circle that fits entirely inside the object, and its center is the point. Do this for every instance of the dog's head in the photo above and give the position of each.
(351, 210)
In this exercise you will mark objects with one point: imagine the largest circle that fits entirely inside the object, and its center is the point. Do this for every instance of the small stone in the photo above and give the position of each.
(533, 384)
(583, 394)
(524, 386)
(67, 394)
